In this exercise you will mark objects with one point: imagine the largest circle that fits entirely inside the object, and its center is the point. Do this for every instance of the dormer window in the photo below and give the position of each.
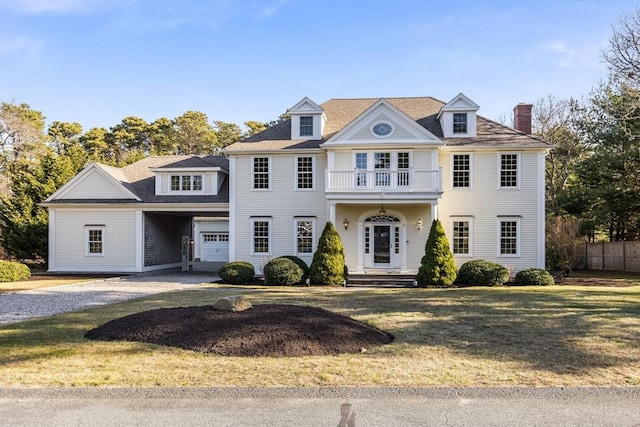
(186, 182)
(460, 123)
(306, 126)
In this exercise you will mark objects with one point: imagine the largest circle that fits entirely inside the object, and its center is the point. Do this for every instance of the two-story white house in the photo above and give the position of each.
(380, 169)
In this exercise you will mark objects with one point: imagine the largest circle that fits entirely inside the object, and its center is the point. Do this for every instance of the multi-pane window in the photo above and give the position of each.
(304, 236)
(382, 162)
(260, 237)
(261, 173)
(461, 170)
(304, 172)
(361, 166)
(403, 169)
(95, 241)
(508, 237)
(306, 126)
(459, 122)
(509, 170)
(186, 182)
(461, 237)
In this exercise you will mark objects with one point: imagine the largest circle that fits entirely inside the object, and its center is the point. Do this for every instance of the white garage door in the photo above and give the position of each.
(214, 247)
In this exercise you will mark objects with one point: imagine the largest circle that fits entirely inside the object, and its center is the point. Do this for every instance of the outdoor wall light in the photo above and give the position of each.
(345, 223)
(419, 224)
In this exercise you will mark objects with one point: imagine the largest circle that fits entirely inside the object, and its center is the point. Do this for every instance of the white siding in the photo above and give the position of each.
(486, 204)
(282, 203)
(69, 235)
(94, 186)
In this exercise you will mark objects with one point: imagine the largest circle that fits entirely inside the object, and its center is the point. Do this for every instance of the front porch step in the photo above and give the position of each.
(382, 280)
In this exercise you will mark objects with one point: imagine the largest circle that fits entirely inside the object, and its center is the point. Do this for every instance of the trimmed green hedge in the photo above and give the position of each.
(300, 263)
(483, 273)
(11, 271)
(237, 272)
(282, 271)
(534, 276)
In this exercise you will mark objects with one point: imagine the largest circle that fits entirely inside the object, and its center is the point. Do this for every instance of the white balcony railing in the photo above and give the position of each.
(373, 181)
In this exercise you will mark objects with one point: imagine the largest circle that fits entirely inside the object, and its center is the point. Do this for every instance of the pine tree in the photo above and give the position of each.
(328, 267)
(437, 265)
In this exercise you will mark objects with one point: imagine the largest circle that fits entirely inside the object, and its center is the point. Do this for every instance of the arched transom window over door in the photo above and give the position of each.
(382, 241)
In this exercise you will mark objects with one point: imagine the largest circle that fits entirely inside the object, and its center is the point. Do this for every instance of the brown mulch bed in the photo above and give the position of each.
(265, 330)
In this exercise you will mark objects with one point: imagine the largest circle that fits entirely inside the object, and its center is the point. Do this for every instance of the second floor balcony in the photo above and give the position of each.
(379, 181)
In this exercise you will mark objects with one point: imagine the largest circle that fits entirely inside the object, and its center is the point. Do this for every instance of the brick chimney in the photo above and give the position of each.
(522, 117)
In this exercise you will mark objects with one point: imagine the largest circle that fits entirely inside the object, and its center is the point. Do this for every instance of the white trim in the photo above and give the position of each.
(103, 238)
(517, 220)
(52, 240)
(295, 236)
(139, 240)
(541, 210)
(470, 154)
(269, 235)
(313, 172)
(386, 122)
(269, 173)
(396, 260)
(232, 208)
(186, 192)
(462, 218)
(518, 171)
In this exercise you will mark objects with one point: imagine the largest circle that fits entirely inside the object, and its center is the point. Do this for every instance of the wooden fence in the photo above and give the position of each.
(619, 256)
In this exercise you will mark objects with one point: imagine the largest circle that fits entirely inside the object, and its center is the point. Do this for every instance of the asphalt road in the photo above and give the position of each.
(300, 407)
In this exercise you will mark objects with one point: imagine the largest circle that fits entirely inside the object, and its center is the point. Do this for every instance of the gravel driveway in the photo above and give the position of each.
(24, 305)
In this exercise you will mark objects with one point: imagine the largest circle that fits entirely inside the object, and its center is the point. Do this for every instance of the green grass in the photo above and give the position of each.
(502, 336)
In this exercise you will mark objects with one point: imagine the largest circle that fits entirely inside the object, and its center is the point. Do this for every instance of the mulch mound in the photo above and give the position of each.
(265, 330)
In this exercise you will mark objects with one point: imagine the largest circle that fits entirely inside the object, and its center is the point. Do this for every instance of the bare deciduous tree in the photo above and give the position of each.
(623, 55)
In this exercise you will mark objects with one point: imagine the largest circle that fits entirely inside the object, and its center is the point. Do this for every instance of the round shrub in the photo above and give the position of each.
(300, 263)
(282, 271)
(534, 276)
(481, 272)
(237, 272)
(11, 271)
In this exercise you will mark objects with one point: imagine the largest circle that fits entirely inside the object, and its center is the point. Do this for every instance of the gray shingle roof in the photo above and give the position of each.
(140, 180)
(424, 110)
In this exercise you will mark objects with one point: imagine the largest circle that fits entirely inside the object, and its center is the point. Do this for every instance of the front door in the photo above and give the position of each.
(382, 245)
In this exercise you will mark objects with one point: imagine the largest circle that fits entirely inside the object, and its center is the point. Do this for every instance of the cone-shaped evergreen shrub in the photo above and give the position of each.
(328, 267)
(437, 266)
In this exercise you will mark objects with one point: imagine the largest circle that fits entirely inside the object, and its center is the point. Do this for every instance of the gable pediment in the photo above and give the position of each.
(94, 182)
(305, 106)
(460, 102)
(403, 129)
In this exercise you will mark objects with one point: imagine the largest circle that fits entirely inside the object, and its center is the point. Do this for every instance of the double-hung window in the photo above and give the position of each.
(461, 171)
(461, 242)
(261, 173)
(304, 173)
(509, 235)
(260, 230)
(95, 241)
(509, 170)
(459, 122)
(304, 228)
(306, 126)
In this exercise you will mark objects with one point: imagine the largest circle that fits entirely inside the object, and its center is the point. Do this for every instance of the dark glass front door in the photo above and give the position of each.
(381, 244)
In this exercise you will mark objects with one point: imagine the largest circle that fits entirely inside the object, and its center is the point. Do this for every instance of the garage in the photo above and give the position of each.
(214, 247)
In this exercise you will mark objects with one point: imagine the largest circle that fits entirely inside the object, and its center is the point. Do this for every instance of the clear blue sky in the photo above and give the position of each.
(98, 61)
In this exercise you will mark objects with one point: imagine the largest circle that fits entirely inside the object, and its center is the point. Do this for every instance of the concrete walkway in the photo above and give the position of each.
(25, 305)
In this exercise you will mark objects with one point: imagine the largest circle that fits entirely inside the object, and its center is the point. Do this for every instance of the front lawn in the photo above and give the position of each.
(502, 336)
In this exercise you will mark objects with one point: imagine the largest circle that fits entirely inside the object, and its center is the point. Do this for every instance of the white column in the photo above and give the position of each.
(139, 240)
(232, 208)
(52, 240)
(332, 213)
(541, 210)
